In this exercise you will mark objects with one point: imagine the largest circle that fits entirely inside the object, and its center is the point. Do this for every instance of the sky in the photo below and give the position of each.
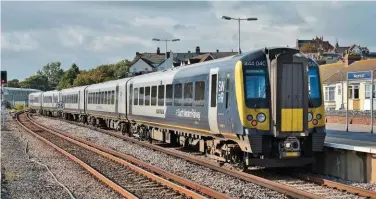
(93, 33)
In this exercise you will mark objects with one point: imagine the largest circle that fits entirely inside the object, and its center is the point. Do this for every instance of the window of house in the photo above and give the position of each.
(178, 89)
(339, 90)
(161, 95)
(368, 91)
(199, 93)
(188, 94)
(154, 95)
(353, 92)
(147, 96)
(330, 93)
(169, 95)
(142, 96)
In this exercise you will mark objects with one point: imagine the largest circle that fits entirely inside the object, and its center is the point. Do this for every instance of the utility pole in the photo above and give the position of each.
(239, 19)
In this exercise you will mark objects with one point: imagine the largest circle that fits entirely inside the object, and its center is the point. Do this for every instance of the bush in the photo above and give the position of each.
(19, 107)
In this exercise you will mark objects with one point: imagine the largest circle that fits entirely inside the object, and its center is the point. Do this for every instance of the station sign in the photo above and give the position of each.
(362, 75)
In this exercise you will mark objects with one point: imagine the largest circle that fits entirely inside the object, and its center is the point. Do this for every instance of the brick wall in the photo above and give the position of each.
(364, 119)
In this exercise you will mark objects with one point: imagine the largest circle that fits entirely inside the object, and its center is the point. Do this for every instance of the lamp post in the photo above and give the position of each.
(166, 40)
(239, 19)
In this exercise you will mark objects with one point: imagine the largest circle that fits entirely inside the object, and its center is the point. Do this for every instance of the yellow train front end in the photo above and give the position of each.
(281, 108)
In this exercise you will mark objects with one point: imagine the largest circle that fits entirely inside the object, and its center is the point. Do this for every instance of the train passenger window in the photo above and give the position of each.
(199, 93)
(112, 97)
(141, 102)
(160, 95)
(105, 97)
(135, 96)
(96, 97)
(147, 96)
(188, 94)
(89, 98)
(154, 95)
(177, 94)
(227, 89)
(102, 96)
(213, 102)
(168, 95)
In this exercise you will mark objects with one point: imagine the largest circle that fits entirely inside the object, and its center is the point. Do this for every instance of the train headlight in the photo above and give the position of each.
(310, 116)
(261, 117)
(249, 117)
(319, 116)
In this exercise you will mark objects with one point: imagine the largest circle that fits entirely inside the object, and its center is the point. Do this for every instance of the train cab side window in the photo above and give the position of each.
(188, 94)
(169, 95)
(227, 89)
(154, 95)
(161, 95)
(177, 94)
(199, 93)
(135, 96)
(147, 96)
(142, 96)
(213, 101)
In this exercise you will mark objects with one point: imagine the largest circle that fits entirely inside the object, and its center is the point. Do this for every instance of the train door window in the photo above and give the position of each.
(161, 95)
(169, 95)
(199, 93)
(89, 100)
(177, 94)
(154, 95)
(188, 94)
(112, 97)
(141, 101)
(135, 96)
(213, 101)
(147, 96)
(227, 89)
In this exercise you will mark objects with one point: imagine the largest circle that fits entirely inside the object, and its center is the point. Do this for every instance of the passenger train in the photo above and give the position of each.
(263, 107)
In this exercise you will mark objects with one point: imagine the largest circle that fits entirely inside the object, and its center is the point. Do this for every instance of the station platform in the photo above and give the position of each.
(348, 155)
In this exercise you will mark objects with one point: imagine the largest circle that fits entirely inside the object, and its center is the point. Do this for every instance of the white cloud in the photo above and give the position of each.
(18, 41)
(111, 43)
(72, 36)
(152, 21)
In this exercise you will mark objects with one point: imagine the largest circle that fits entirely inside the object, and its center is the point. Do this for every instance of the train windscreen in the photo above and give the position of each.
(255, 88)
(314, 85)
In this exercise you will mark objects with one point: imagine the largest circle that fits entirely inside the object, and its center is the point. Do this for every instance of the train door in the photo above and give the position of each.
(212, 106)
(130, 98)
(224, 114)
(117, 100)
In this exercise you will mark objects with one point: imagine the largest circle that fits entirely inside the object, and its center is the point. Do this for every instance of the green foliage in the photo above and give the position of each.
(68, 78)
(37, 82)
(19, 107)
(53, 72)
(15, 83)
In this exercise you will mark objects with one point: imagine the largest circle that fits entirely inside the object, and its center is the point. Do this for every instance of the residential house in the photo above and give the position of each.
(317, 43)
(149, 62)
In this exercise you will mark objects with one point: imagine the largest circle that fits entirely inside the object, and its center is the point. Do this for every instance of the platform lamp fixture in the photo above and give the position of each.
(166, 40)
(239, 19)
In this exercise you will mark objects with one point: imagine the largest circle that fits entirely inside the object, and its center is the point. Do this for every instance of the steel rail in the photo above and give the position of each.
(98, 175)
(281, 188)
(339, 186)
(105, 151)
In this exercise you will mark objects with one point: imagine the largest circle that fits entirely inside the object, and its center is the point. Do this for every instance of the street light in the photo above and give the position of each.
(239, 19)
(166, 40)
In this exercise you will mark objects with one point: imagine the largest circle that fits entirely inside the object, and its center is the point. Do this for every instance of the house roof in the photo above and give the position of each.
(145, 60)
(336, 72)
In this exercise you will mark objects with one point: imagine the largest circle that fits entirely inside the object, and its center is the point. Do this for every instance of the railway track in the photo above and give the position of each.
(297, 185)
(126, 175)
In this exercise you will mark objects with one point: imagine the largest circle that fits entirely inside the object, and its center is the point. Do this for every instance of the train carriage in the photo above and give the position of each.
(50, 99)
(73, 100)
(263, 107)
(35, 101)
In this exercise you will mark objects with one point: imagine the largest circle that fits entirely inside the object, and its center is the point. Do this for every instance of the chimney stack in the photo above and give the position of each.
(197, 49)
(189, 51)
(217, 51)
(158, 51)
(137, 53)
(168, 55)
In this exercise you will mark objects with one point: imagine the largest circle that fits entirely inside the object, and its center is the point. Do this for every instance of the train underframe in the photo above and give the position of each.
(266, 150)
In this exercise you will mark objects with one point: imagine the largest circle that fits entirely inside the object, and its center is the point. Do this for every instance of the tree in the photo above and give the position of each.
(15, 83)
(68, 78)
(308, 48)
(36, 81)
(122, 68)
(53, 72)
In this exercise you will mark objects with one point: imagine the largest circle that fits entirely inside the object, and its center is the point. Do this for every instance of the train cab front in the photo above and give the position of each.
(283, 113)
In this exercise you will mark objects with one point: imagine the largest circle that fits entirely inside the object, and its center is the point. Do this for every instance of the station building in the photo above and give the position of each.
(334, 78)
(17, 95)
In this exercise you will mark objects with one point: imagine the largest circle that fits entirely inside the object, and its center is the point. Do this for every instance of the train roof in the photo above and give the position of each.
(74, 89)
(107, 84)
